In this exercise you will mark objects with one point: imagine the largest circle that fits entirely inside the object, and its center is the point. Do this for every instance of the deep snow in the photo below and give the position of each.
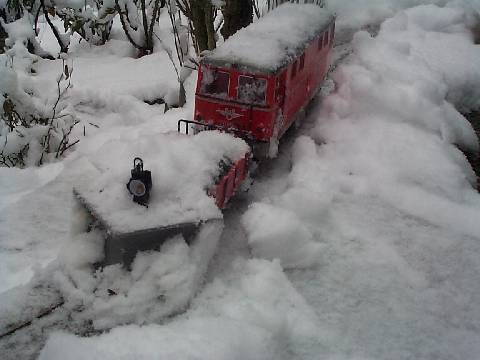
(372, 212)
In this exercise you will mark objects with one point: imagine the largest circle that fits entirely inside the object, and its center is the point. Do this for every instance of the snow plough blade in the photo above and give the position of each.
(122, 247)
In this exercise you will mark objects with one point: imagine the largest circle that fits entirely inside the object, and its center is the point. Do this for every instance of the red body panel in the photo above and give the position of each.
(288, 91)
(229, 183)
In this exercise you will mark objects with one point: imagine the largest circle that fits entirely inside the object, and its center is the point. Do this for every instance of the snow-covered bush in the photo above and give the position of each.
(32, 128)
(92, 20)
(138, 19)
(10, 10)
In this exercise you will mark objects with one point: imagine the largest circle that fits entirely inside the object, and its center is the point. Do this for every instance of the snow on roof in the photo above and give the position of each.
(273, 41)
(182, 167)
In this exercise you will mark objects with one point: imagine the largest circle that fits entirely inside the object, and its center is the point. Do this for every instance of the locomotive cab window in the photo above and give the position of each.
(215, 82)
(325, 38)
(252, 90)
(320, 42)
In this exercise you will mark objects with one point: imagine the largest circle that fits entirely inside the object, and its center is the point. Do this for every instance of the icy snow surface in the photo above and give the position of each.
(265, 44)
(379, 202)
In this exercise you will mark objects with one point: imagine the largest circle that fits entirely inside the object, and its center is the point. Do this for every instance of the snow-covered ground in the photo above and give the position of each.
(360, 241)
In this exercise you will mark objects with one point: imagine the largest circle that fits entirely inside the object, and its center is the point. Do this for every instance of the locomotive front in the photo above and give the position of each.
(235, 101)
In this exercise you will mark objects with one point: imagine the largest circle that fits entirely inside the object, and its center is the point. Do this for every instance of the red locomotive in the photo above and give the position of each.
(258, 96)
(258, 83)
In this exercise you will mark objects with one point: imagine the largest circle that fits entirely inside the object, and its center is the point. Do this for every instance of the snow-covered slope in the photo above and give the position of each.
(378, 209)
(368, 230)
(379, 202)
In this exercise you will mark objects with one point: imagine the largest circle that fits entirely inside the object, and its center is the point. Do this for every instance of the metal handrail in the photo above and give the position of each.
(207, 126)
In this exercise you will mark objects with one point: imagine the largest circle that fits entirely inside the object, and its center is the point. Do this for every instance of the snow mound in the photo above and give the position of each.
(159, 284)
(254, 313)
(390, 130)
(381, 184)
(266, 45)
(275, 233)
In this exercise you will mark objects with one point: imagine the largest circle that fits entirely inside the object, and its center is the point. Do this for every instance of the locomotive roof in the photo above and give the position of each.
(273, 41)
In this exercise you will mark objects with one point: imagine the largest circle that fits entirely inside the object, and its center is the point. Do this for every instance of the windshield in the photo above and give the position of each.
(215, 83)
(251, 90)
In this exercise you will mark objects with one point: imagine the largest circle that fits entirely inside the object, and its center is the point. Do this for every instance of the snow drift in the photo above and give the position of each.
(251, 314)
(381, 189)
(378, 205)
(390, 131)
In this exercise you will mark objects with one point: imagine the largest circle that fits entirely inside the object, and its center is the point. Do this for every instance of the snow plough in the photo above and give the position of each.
(163, 202)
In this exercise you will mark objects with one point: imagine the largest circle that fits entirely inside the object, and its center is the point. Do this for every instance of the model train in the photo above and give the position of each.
(251, 89)
(254, 86)
(259, 82)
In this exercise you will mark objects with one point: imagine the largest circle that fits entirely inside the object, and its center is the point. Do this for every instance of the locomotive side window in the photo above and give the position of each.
(215, 82)
(332, 31)
(251, 90)
(320, 42)
(325, 38)
(294, 69)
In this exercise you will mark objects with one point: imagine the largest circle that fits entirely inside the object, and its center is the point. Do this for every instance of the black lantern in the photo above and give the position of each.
(140, 183)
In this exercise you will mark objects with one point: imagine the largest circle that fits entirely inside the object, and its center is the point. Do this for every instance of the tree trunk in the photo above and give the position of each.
(3, 33)
(202, 19)
(63, 46)
(3, 37)
(209, 19)
(237, 14)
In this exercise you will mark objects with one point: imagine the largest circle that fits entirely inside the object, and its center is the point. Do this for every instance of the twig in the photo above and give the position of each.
(124, 25)
(63, 48)
(176, 36)
(170, 56)
(255, 8)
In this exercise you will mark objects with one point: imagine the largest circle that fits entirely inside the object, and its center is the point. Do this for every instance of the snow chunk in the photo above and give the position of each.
(159, 284)
(278, 233)
(252, 313)
(273, 40)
